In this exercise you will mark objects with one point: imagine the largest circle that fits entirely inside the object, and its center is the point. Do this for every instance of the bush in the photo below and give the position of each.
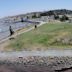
(64, 18)
(56, 17)
(34, 16)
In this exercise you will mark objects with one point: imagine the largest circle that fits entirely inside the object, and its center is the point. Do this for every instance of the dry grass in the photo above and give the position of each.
(42, 38)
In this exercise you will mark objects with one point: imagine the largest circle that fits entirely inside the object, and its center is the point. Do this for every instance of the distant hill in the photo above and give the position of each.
(38, 14)
(57, 12)
(47, 13)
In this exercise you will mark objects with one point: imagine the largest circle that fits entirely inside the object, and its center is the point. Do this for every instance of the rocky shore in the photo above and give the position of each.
(36, 64)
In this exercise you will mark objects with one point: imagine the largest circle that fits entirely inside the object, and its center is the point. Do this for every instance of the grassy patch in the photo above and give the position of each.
(43, 37)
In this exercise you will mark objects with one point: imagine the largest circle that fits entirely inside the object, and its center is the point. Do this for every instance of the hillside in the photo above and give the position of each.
(33, 15)
(47, 13)
(57, 12)
(50, 35)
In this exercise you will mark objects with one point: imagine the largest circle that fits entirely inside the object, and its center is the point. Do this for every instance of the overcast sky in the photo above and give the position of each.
(14, 7)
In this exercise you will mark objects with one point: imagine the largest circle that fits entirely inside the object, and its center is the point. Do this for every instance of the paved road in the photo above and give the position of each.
(52, 53)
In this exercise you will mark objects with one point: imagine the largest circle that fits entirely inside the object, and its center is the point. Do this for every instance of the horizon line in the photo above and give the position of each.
(32, 12)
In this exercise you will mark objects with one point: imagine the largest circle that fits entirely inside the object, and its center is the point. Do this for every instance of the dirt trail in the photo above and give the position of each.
(22, 31)
(5, 41)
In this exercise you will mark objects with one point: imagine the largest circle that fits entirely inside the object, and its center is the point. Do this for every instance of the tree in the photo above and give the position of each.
(56, 17)
(64, 18)
(34, 16)
(50, 13)
(27, 17)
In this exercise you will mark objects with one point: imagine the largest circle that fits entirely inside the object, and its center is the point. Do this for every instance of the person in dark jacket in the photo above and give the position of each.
(35, 26)
(11, 31)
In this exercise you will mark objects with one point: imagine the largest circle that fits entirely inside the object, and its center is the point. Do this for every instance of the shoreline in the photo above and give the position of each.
(7, 38)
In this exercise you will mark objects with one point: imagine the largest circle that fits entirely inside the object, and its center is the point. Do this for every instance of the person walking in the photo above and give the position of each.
(35, 26)
(11, 31)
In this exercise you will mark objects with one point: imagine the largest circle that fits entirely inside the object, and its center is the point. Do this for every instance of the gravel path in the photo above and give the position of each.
(51, 53)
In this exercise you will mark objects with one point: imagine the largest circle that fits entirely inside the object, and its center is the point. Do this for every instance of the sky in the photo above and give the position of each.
(15, 7)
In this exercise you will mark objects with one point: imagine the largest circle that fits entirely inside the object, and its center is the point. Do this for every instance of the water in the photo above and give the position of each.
(4, 28)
